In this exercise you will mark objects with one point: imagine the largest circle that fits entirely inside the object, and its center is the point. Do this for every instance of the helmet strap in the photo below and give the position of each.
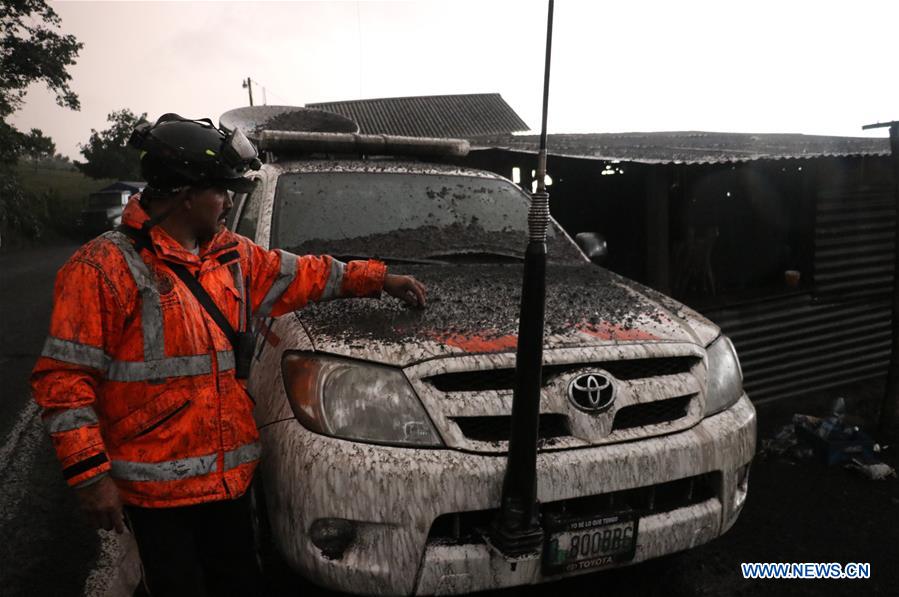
(158, 218)
(142, 238)
(155, 220)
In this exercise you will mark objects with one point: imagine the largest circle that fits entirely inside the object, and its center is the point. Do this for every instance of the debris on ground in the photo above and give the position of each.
(875, 471)
(785, 443)
(832, 440)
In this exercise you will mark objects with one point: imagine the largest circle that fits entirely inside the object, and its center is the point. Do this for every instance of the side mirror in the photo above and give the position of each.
(593, 245)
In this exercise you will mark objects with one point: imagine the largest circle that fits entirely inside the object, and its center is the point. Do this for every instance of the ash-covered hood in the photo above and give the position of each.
(474, 309)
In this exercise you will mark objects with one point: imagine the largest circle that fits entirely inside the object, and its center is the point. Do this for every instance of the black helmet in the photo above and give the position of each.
(177, 152)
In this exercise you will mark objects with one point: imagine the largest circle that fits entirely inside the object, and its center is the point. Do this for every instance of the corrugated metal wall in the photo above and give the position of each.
(854, 244)
(798, 345)
(839, 331)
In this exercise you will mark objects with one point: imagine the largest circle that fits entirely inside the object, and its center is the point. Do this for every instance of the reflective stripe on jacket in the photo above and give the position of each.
(137, 381)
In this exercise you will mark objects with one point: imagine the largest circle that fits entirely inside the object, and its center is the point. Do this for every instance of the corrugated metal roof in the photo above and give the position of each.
(431, 116)
(690, 147)
(124, 185)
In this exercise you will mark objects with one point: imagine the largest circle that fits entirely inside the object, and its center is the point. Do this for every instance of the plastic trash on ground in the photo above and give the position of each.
(831, 439)
(875, 471)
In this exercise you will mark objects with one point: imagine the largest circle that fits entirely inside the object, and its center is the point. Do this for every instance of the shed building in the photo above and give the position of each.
(786, 241)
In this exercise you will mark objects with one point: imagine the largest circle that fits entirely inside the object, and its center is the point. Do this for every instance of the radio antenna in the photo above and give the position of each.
(517, 529)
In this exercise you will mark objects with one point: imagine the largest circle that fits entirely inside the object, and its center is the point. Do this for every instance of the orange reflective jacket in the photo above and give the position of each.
(136, 380)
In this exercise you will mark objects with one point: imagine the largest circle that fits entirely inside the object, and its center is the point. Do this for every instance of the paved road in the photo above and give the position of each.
(46, 549)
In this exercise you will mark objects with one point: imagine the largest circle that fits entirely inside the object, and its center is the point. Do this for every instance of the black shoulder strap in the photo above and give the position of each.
(142, 241)
(206, 301)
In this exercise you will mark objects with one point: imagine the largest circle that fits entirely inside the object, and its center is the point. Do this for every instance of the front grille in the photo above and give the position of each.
(652, 413)
(475, 381)
(499, 428)
(640, 368)
(504, 379)
(469, 527)
(653, 499)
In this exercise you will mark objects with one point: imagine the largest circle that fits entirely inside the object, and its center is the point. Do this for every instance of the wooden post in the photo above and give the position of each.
(808, 217)
(248, 85)
(657, 224)
(889, 406)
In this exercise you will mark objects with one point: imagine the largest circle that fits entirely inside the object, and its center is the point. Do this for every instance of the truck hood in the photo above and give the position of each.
(473, 309)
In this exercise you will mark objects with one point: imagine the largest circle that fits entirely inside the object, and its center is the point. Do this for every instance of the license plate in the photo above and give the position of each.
(586, 543)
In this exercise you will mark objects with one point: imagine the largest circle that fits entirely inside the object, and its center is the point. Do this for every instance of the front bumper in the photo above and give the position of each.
(394, 495)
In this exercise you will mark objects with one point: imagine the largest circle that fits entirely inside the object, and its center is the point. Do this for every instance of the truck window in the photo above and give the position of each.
(249, 217)
(410, 215)
(237, 200)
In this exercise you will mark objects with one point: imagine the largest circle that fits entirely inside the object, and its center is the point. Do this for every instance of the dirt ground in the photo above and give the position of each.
(795, 512)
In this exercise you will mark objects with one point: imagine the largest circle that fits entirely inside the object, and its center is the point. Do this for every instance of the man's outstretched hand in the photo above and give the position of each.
(406, 288)
(102, 505)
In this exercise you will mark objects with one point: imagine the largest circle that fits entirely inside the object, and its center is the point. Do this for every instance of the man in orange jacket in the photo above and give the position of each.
(137, 379)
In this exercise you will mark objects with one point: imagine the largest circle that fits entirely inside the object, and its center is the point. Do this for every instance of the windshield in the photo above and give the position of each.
(406, 216)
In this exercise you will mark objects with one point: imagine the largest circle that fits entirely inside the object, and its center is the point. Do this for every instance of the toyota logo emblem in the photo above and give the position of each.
(592, 392)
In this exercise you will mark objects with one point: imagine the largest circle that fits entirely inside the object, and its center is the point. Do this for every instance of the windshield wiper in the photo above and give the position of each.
(478, 256)
(387, 258)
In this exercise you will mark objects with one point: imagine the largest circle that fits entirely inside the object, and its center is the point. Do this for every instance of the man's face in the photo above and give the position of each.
(208, 209)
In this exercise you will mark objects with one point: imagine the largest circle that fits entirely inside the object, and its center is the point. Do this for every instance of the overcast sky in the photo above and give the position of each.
(815, 67)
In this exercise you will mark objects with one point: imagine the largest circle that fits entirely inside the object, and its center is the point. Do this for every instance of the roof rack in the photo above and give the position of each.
(295, 130)
(354, 143)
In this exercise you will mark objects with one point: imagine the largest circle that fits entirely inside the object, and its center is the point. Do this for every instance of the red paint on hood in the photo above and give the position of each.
(487, 343)
(612, 331)
(479, 343)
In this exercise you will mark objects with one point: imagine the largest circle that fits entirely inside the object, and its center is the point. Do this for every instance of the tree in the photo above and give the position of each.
(10, 146)
(107, 154)
(15, 144)
(36, 146)
(33, 50)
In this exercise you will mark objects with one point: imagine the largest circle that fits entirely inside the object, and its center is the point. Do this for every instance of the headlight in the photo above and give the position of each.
(725, 376)
(356, 401)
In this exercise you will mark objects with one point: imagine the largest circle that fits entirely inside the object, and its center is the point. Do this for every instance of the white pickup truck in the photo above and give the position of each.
(385, 428)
